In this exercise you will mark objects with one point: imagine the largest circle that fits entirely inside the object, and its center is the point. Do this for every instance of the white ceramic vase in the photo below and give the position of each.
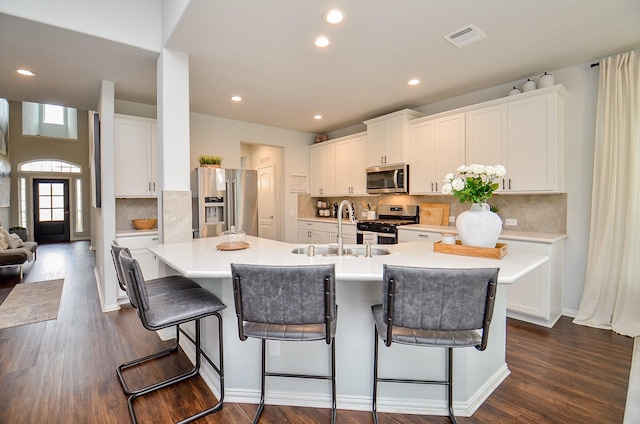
(479, 226)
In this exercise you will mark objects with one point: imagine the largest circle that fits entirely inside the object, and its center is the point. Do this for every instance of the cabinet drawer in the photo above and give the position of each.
(427, 236)
(137, 242)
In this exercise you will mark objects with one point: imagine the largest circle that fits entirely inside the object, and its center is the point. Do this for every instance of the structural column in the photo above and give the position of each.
(174, 202)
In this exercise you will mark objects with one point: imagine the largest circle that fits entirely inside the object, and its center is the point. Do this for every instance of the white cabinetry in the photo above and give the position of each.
(537, 297)
(351, 165)
(137, 244)
(535, 148)
(313, 232)
(136, 156)
(487, 136)
(526, 136)
(387, 137)
(322, 169)
(431, 236)
(437, 148)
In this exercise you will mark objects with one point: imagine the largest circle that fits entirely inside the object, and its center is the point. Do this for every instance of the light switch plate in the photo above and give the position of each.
(511, 222)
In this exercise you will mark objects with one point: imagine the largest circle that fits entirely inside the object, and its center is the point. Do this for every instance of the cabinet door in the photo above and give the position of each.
(344, 167)
(487, 137)
(132, 157)
(359, 167)
(375, 139)
(449, 147)
(329, 170)
(422, 138)
(316, 170)
(153, 158)
(532, 144)
(394, 140)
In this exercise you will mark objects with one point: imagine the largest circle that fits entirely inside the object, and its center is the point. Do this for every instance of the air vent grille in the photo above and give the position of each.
(464, 36)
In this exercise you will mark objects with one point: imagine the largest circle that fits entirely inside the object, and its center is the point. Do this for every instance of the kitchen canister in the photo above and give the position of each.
(529, 85)
(514, 91)
(545, 80)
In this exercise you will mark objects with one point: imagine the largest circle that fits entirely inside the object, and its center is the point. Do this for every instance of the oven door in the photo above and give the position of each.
(386, 238)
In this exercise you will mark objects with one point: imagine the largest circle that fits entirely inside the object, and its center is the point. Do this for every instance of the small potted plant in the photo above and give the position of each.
(210, 161)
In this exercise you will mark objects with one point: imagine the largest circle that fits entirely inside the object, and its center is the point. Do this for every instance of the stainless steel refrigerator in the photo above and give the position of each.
(224, 198)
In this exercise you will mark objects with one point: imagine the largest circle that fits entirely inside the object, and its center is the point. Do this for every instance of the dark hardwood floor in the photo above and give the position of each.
(63, 371)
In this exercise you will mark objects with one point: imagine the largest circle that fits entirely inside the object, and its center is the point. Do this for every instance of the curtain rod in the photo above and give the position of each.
(593, 65)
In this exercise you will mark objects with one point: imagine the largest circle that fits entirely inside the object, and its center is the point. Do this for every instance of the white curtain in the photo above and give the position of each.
(611, 297)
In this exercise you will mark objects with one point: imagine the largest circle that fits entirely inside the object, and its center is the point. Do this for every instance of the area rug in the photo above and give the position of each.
(632, 411)
(31, 302)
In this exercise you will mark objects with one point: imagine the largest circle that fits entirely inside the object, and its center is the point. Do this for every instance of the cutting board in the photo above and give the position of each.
(434, 214)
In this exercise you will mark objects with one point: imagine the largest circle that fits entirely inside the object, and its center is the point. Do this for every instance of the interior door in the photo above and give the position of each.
(51, 210)
(266, 203)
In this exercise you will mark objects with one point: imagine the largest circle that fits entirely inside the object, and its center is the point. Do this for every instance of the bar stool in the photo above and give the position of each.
(433, 307)
(288, 304)
(167, 309)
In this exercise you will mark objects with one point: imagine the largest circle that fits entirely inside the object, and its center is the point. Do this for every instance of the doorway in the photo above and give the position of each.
(51, 210)
(267, 202)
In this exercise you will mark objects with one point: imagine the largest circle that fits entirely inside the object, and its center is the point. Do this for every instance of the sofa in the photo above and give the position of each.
(15, 252)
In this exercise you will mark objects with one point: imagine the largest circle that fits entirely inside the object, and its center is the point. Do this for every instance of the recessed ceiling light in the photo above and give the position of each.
(322, 41)
(414, 82)
(236, 98)
(317, 117)
(334, 16)
(26, 72)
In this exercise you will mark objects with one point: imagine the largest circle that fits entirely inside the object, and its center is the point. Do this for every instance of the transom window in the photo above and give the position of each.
(53, 114)
(50, 166)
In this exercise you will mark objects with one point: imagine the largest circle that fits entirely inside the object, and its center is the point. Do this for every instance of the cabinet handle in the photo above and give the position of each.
(432, 186)
(155, 238)
(149, 185)
(436, 186)
(154, 186)
(503, 183)
(423, 235)
(382, 160)
(509, 183)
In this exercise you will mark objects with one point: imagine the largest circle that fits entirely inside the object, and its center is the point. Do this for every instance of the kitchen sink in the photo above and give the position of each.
(333, 251)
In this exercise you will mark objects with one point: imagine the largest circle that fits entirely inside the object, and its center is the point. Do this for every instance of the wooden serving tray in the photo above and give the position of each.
(239, 245)
(497, 252)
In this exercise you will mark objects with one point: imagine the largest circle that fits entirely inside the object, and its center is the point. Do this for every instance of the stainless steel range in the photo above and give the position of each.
(384, 230)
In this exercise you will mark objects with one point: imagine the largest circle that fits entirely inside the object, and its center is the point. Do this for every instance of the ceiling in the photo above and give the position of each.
(263, 51)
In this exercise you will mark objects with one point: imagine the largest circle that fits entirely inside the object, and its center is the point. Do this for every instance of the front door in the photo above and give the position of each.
(50, 210)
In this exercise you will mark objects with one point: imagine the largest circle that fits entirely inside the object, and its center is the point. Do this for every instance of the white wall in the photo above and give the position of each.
(219, 136)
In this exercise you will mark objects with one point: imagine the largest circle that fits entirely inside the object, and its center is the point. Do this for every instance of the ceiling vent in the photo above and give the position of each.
(465, 36)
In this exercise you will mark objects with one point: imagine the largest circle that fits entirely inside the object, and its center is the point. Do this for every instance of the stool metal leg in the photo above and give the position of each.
(263, 376)
(375, 376)
(193, 372)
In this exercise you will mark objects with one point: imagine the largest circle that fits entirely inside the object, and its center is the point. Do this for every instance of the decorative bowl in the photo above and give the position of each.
(145, 223)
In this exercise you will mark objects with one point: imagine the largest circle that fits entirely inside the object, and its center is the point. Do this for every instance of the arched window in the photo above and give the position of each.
(50, 166)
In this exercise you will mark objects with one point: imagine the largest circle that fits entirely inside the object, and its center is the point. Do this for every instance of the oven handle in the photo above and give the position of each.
(395, 178)
(386, 235)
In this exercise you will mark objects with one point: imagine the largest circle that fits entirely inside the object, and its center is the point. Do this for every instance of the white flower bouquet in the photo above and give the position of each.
(473, 183)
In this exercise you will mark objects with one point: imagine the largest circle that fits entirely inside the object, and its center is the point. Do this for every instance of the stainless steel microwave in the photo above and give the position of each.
(388, 179)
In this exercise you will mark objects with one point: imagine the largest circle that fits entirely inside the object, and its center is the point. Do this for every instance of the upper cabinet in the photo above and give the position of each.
(525, 134)
(351, 165)
(535, 144)
(136, 156)
(388, 137)
(322, 169)
(437, 147)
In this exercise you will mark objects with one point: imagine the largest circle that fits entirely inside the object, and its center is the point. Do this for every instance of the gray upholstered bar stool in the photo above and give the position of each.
(167, 309)
(289, 304)
(433, 307)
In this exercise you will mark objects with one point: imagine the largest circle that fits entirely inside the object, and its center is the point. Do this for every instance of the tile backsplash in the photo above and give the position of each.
(544, 213)
(128, 209)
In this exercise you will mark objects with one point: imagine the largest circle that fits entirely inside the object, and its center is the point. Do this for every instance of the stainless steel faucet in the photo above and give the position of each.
(340, 208)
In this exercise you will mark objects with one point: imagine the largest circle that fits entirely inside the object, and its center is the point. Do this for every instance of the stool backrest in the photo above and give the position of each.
(115, 255)
(284, 294)
(440, 299)
(136, 288)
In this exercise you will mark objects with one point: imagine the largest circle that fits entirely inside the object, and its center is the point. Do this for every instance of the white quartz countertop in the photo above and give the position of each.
(201, 259)
(505, 234)
(328, 220)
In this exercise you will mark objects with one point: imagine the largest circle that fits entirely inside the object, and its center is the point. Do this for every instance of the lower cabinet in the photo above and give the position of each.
(536, 297)
(312, 232)
(137, 245)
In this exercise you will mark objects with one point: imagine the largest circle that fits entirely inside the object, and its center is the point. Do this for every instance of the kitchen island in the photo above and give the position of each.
(358, 286)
